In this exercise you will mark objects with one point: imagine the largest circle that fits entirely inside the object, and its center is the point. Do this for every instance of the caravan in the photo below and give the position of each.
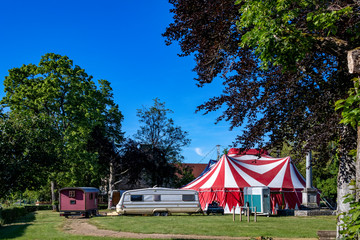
(158, 201)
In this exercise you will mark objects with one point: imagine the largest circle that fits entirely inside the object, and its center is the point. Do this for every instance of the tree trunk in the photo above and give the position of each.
(111, 183)
(346, 173)
(54, 198)
(357, 165)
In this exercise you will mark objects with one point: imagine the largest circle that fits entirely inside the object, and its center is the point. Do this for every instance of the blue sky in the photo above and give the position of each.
(119, 41)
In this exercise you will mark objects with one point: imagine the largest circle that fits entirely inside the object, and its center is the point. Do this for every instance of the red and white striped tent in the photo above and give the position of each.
(225, 180)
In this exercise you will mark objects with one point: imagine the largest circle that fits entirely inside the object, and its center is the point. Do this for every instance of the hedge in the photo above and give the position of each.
(9, 215)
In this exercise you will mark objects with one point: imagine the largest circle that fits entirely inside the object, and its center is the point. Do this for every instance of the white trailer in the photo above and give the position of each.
(158, 201)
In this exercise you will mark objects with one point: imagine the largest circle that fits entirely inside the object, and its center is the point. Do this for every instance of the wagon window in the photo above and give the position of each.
(72, 202)
(137, 198)
(188, 197)
(157, 197)
(91, 196)
(72, 194)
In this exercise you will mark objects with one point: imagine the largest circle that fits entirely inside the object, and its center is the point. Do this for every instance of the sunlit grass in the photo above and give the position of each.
(49, 225)
(40, 225)
(217, 225)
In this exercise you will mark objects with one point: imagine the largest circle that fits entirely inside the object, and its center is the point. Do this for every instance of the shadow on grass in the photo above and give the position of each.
(16, 229)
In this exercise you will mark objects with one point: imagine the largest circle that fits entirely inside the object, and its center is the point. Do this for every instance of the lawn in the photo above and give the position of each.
(217, 225)
(40, 225)
(49, 225)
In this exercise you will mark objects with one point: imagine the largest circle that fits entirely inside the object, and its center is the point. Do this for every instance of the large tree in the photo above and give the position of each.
(59, 102)
(283, 64)
(162, 142)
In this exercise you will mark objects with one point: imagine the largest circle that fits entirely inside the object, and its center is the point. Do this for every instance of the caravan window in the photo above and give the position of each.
(188, 197)
(157, 197)
(72, 194)
(137, 198)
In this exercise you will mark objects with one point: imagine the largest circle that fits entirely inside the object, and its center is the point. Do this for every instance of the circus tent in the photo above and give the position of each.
(225, 180)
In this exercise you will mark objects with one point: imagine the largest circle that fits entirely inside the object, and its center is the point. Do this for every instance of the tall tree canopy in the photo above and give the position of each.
(58, 104)
(283, 64)
(161, 141)
(297, 105)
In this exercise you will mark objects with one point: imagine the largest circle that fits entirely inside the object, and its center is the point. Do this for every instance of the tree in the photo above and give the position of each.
(26, 149)
(69, 106)
(290, 33)
(285, 76)
(162, 142)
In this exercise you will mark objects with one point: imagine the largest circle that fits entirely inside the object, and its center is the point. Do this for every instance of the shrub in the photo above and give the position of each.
(9, 215)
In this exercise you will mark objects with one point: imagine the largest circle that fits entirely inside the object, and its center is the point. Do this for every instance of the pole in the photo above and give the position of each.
(233, 214)
(248, 214)
(240, 215)
(218, 152)
(308, 170)
(255, 220)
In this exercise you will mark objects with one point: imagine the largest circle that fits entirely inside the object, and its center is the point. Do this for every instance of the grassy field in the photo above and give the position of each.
(40, 225)
(48, 225)
(217, 225)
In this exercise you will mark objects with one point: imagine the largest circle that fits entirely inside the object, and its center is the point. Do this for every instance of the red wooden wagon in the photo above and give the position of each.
(78, 201)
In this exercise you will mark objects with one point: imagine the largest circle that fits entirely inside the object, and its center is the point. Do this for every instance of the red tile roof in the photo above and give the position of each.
(197, 168)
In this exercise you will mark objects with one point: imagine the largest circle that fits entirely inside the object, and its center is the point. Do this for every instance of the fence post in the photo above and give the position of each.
(240, 216)
(255, 215)
(233, 214)
(248, 214)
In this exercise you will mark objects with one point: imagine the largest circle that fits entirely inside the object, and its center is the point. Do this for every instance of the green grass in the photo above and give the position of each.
(217, 225)
(40, 225)
(49, 225)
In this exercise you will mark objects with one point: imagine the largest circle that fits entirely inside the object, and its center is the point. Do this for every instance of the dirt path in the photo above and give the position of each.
(82, 227)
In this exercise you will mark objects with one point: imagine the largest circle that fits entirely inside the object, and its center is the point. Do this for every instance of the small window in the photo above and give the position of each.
(157, 197)
(91, 196)
(72, 202)
(136, 198)
(72, 194)
(188, 197)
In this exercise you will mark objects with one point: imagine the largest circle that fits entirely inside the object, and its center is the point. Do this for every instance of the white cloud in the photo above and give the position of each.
(199, 152)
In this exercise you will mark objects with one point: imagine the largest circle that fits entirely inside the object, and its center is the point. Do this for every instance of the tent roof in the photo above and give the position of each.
(239, 171)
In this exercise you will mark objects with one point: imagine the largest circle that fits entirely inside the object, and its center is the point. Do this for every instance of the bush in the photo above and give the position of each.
(43, 207)
(9, 215)
(102, 206)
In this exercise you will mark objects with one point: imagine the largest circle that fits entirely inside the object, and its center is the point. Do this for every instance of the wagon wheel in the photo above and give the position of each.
(164, 214)
(156, 214)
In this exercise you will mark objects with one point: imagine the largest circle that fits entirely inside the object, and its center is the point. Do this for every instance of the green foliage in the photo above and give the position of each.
(161, 141)
(350, 106)
(325, 179)
(350, 228)
(10, 215)
(184, 175)
(53, 108)
(279, 35)
(42, 194)
(271, 32)
(325, 167)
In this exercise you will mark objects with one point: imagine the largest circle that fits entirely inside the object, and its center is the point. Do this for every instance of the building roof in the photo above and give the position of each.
(84, 189)
(197, 168)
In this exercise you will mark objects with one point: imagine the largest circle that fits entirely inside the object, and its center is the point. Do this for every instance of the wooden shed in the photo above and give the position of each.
(78, 201)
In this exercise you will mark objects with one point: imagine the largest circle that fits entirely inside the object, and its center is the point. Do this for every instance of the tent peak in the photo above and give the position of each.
(242, 151)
